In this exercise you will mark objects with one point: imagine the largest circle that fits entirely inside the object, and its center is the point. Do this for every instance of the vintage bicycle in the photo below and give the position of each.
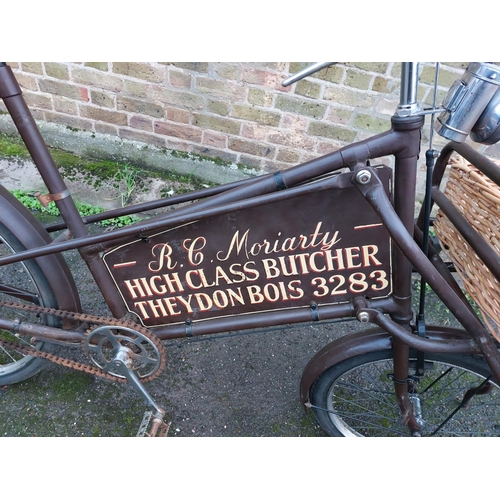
(279, 249)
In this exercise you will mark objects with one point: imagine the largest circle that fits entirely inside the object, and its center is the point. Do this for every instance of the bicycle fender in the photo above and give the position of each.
(339, 350)
(362, 342)
(22, 223)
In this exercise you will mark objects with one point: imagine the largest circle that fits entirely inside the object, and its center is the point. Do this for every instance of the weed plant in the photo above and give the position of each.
(31, 203)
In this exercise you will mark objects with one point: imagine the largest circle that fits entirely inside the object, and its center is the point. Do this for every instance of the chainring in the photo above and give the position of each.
(158, 361)
(143, 354)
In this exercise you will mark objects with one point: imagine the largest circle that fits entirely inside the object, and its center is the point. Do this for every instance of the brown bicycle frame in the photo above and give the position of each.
(402, 142)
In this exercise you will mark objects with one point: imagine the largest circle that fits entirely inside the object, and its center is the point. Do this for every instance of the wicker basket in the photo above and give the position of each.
(478, 199)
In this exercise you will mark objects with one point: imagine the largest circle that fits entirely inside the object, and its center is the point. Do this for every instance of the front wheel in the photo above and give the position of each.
(356, 397)
(22, 283)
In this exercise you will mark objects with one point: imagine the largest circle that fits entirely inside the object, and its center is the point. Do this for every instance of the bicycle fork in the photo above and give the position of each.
(408, 401)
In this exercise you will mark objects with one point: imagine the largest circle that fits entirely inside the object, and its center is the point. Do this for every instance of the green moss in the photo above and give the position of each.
(124, 176)
(71, 385)
(12, 147)
(84, 405)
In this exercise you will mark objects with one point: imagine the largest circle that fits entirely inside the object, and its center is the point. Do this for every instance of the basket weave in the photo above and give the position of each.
(478, 200)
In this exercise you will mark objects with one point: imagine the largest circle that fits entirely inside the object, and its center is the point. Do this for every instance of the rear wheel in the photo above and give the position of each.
(22, 283)
(356, 397)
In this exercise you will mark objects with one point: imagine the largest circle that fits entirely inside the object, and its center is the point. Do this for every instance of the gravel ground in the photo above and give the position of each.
(241, 384)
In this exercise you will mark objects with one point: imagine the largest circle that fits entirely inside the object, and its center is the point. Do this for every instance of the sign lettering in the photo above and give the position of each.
(323, 248)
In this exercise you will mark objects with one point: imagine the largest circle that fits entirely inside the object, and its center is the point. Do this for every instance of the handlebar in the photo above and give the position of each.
(306, 72)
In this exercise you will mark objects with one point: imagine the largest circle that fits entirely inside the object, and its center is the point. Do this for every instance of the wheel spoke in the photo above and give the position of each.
(360, 398)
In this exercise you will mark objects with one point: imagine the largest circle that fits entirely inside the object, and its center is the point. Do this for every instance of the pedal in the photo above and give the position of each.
(157, 427)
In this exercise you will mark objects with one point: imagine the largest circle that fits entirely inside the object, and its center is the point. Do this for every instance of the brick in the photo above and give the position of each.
(334, 74)
(139, 106)
(27, 82)
(276, 66)
(264, 78)
(199, 67)
(220, 88)
(295, 67)
(99, 79)
(216, 123)
(141, 122)
(339, 115)
(387, 106)
(331, 131)
(288, 155)
(358, 79)
(137, 89)
(214, 139)
(251, 147)
(327, 147)
(67, 106)
(375, 67)
(220, 108)
(308, 89)
(295, 122)
(349, 97)
(32, 67)
(383, 85)
(446, 77)
(311, 108)
(178, 115)
(179, 79)
(268, 118)
(180, 131)
(104, 115)
(178, 98)
(292, 139)
(441, 94)
(102, 66)
(229, 71)
(103, 99)
(40, 115)
(371, 123)
(64, 89)
(260, 97)
(254, 131)
(57, 70)
(37, 100)
(395, 70)
(141, 71)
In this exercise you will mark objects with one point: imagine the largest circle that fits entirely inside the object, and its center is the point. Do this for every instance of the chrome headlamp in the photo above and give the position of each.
(472, 106)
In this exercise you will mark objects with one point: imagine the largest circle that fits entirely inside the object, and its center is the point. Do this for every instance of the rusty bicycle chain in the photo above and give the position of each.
(91, 319)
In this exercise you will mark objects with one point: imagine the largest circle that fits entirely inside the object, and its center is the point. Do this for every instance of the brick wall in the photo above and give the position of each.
(237, 112)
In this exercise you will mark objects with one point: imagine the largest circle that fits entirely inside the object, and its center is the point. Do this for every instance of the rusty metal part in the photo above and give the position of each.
(157, 427)
(91, 319)
(45, 199)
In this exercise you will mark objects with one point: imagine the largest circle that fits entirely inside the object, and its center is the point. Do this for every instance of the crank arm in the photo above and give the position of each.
(154, 418)
(120, 365)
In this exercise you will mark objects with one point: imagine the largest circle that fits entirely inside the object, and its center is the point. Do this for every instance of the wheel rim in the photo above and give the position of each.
(361, 402)
(21, 276)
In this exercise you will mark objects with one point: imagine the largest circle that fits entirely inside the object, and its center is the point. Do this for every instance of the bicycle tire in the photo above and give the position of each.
(26, 276)
(359, 396)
